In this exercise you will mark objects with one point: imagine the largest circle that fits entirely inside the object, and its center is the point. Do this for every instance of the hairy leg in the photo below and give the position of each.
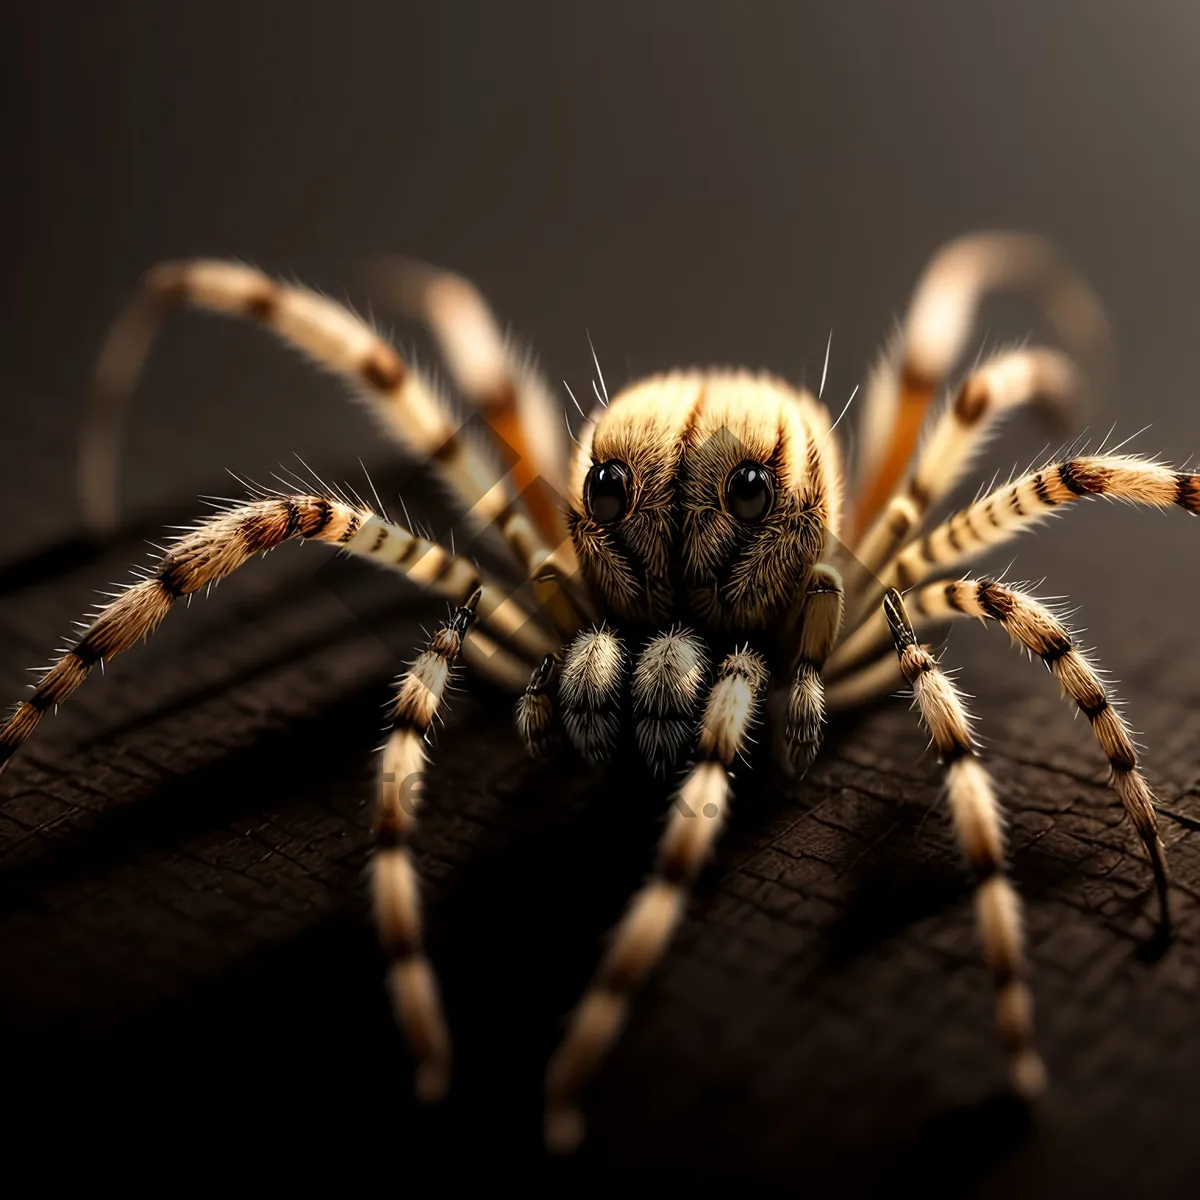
(219, 545)
(537, 714)
(995, 388)
(500, 380)
(1009, 510)
(1035, 627)
(939, 321)
(820, 624)
(978, 823)
(419, 696)
(1002, 514)
(406, 403)
(733, 706)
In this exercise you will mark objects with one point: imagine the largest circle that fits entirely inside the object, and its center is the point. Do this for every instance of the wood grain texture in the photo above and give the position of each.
(186, 942)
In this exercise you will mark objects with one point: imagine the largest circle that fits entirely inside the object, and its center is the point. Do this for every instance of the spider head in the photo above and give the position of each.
(703, 497)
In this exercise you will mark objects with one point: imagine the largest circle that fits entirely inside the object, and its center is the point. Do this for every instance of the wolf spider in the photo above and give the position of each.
(704, 555)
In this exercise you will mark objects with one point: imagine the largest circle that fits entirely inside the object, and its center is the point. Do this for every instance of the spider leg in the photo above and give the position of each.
(998, 517)
(977, 821)
(1032, 625)
(430, 565)
(419, 695)
(1003, 383)
(732, 708)
(939, 321)
(537, 715)
(406, 402)
(500, 380)
(218, 546)
(820, 624)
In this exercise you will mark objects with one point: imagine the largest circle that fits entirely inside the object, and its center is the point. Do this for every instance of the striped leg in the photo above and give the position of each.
(208, 553)
(940, 318)
(1000, 516)
(1012, 509)
(419, 696)
(428, 564)
(505, 387)
(977, 820)
(733, 707)
(332, 335)
(1002, 384)
(820, 624)
(202, 557)
(501, 382)
(320, 327)
(1032, 625)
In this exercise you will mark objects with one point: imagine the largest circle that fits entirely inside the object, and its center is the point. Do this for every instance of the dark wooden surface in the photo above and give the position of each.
(186, 942)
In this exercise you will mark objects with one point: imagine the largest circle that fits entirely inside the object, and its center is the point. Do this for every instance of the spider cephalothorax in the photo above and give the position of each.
(700, 505)
(704, 497)
(701, 561)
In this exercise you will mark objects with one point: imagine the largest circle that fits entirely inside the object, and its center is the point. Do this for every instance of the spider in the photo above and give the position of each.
(704, 556)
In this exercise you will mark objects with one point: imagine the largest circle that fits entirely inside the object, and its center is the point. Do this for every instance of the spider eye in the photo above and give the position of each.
(749, 492)
(607, 491)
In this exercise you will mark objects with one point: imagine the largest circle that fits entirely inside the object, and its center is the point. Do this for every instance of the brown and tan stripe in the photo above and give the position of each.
(999, 386)
(431, 566)
(732, 709)
(407, 404)
(395, 889)
(222, 543)
(202, 557)
(501, 383)
(977, 821)
(939, 321)
(1000, 516)
(1030, 624)
(1012, 509)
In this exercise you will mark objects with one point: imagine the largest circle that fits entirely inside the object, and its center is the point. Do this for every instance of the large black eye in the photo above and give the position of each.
(749, 491)
(607, 491)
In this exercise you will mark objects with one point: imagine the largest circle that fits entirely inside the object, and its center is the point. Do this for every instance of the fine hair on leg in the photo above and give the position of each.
(978, 824)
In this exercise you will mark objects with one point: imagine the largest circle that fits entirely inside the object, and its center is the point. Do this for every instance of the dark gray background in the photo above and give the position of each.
(691, 182)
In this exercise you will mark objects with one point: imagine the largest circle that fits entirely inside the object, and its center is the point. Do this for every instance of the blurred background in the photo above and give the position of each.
(692, 183)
